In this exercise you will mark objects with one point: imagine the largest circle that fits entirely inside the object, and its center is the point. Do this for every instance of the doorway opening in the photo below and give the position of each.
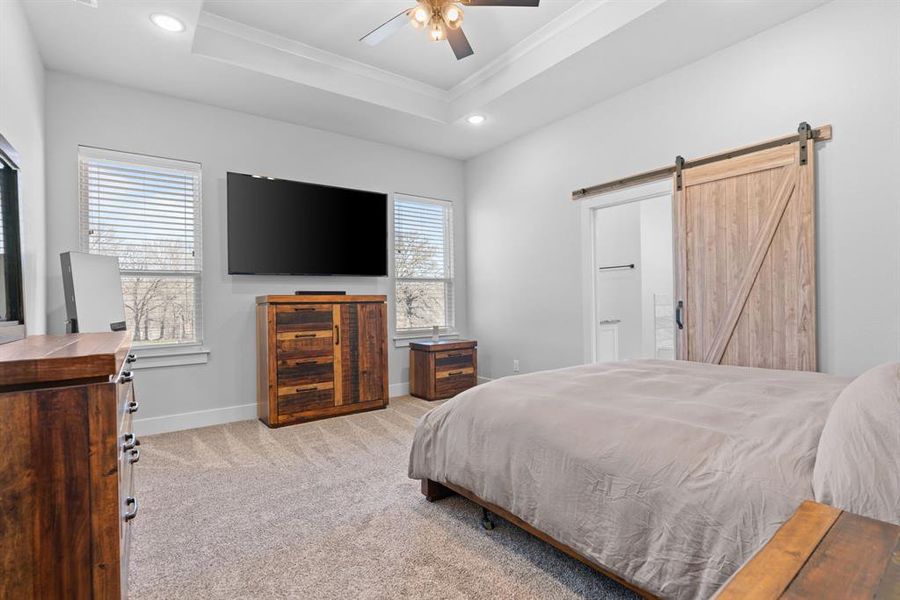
(628, 274)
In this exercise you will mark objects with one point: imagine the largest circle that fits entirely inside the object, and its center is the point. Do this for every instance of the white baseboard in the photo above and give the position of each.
(192, 420)
(398, 389)
(218, 416)
(484, 379)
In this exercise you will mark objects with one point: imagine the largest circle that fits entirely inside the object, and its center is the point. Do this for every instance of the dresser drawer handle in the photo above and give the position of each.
(129, 441)
(452, 373)
(303, 388)
(135, 456)
(126, 377)
(131, 501)
(304, 335)
(133, 407)
(299, 308)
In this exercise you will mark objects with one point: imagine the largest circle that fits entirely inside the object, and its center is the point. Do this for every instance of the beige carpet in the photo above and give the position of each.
(324, 510)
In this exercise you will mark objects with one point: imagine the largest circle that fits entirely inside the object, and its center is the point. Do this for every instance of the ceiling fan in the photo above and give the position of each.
(442, 18)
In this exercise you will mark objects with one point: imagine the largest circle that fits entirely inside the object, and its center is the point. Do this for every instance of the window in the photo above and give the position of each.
(146, 211)
(423, 264)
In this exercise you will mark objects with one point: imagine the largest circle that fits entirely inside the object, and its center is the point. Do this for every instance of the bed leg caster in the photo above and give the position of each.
(486, 521)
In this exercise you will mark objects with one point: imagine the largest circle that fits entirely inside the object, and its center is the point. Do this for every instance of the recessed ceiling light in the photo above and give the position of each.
(475, 119)
(167, 22)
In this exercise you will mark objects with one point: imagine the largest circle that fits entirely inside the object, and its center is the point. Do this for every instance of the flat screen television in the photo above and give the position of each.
(281, 227)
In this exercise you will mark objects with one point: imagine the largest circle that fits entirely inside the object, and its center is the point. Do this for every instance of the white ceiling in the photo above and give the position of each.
(300, 61)
(336, 26)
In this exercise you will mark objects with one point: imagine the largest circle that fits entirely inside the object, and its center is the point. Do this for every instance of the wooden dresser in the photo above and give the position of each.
(442, 369)
(825, 553)
(320, 356)
(66, 457)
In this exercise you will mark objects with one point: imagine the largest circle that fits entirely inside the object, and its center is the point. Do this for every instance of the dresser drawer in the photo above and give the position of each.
(304, 317)
(300, 344)
(299, 371)
(294, 399)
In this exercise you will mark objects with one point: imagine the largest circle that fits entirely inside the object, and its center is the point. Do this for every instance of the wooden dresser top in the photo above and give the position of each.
(442, 345)
(317, 299)
(53, 359)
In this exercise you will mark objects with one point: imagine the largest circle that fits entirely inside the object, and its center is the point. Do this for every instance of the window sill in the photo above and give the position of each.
(402, 340)
(170, 356)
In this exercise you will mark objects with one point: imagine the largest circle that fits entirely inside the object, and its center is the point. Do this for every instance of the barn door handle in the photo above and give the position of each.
(679, 314)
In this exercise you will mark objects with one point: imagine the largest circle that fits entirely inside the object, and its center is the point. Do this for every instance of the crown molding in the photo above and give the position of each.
(550, 30)
(336, 61)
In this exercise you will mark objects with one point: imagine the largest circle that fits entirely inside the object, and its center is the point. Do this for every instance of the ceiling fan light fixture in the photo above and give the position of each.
(437, 32)
(453, 15)
(420, 15)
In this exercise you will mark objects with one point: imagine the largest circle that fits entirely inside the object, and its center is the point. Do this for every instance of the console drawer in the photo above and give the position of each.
(305, 317)
(299, 398)
(299, 344)
(453, 360)
(450, 383)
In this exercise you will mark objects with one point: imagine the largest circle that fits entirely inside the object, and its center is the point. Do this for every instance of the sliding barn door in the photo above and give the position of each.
(745, 260)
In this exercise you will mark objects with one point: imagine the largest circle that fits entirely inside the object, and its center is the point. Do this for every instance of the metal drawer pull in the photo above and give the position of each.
(135, 456)
(131, 501)
(304, 335)
(133, 407)
(129, 442)
(131, 358)
(302, 388)
(126, 377)
(337, 335)
(452, 373)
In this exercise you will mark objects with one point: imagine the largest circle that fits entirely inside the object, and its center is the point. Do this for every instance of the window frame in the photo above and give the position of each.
(449, 330)
(87, 153)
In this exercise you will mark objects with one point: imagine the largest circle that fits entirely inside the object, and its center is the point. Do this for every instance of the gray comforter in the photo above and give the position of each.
(670, 474)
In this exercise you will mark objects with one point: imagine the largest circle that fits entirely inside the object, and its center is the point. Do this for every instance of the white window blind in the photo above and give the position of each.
(423, 264)
(146, 211)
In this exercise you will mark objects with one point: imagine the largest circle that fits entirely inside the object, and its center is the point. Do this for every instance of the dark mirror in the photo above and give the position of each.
(12, 310)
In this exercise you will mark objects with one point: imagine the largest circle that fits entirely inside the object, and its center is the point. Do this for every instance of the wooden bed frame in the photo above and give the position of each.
(432, 490)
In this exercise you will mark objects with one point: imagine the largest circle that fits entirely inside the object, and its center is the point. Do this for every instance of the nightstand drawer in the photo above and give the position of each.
(453, 359)
(451, 383)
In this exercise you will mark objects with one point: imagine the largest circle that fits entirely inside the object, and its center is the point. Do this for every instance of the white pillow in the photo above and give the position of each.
(858, 462)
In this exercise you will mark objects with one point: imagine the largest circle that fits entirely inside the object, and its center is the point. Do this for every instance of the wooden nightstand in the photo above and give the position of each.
(442, 369)
(822, 552)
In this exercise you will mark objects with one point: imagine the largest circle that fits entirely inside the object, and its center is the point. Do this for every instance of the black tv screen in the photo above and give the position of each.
(281, 227)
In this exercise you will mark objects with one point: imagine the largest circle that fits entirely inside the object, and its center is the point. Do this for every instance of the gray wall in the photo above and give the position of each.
(81, 111)
(22, 123)
(838, 64)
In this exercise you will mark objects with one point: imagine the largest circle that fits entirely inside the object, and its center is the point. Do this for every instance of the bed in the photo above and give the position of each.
(666, 475)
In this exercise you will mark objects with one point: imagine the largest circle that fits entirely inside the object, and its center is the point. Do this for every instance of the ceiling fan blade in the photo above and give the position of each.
(387, 29)
(460, 43)
(501, 2)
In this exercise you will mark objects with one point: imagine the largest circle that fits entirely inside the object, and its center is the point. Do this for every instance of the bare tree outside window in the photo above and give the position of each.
(423, 264)
(147, 216)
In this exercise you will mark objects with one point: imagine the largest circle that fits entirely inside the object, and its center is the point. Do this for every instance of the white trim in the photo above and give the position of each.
(194, 419)
(558, 26)
(484, 379)
(636, 193)
(150, 357)
(335, 61)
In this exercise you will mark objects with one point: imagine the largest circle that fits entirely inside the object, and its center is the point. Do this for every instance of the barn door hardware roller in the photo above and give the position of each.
(679, 165)
(804, 133)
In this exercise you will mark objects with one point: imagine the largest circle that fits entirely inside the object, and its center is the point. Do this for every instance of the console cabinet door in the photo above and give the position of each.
(363, 353)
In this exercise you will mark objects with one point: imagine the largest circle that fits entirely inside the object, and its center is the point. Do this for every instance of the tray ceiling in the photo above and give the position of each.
(300, 61)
